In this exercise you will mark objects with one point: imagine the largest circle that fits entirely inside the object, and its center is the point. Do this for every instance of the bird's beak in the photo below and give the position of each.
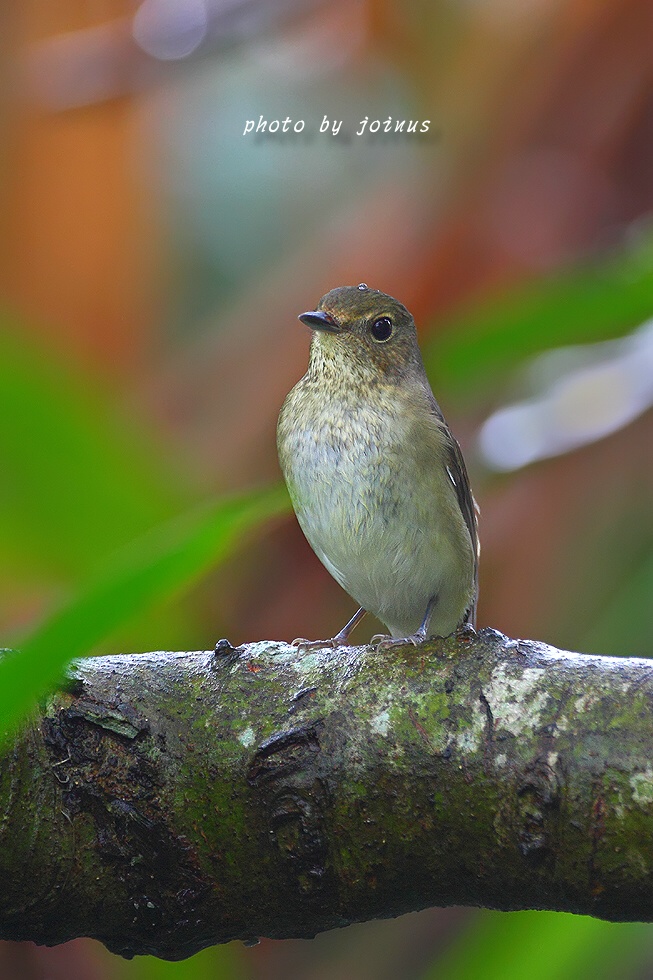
(318, 320)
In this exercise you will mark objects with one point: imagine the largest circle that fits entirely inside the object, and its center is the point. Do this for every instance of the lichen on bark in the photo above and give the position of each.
(164, 802)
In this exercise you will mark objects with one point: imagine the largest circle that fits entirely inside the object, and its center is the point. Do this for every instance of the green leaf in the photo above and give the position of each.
(144, 574)
(543, 946)
(78, 478)
(217, 963)
(473, 351)
(622, 626)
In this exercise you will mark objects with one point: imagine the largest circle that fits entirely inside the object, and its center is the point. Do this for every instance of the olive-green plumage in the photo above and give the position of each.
(377, 481)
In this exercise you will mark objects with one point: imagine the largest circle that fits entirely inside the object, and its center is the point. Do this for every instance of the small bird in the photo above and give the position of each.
(377, 480)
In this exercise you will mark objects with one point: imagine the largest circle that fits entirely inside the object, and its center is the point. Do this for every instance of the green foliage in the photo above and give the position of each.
(475, 350)
(146, 573)
(622, 623)
(544, 946)
(85, 499)
(78, 480)
(223, 963)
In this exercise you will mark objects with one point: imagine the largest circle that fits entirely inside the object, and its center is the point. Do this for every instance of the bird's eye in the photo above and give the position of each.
(382, 329)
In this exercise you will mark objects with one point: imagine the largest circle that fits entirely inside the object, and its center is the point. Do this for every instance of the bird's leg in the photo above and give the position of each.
(383, 642)
(339, 640)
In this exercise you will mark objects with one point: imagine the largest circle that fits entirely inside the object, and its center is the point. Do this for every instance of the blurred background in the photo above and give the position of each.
(153, 260)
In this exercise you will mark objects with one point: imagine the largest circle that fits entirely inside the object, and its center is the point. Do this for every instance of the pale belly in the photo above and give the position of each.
(389, 530)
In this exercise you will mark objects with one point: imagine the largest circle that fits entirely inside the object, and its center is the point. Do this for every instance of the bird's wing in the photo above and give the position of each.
(468, 507)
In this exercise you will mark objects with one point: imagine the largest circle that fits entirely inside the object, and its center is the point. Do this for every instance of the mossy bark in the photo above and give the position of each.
(164, 802)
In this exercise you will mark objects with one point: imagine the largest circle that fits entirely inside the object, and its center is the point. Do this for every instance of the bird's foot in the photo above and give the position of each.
(303, 644)
(339, 640)
(383, 642)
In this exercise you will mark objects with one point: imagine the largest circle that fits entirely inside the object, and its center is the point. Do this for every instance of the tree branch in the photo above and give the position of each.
(169, 801)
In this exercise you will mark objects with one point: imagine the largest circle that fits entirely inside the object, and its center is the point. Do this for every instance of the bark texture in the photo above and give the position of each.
(164, 802)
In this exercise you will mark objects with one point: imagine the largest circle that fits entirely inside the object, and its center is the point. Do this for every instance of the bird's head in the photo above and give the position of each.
(364, 331)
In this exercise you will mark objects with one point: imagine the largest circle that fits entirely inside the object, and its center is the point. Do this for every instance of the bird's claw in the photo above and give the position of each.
(380, 641)
(303, 644)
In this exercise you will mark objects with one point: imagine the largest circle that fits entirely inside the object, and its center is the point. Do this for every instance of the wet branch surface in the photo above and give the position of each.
(164, 802)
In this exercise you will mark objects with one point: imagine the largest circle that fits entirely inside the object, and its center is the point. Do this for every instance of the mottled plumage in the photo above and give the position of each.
(377, 481)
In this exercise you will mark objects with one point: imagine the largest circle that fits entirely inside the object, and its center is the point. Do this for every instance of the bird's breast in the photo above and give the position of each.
(364, 495)
(341, 462)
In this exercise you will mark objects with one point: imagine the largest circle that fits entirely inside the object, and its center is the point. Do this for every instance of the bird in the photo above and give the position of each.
(376, 479)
